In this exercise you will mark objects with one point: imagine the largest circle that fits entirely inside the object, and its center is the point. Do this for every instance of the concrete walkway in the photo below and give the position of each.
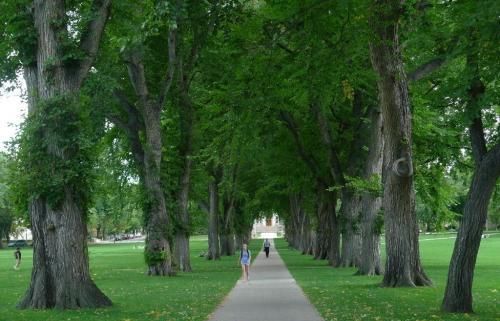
(271, 295)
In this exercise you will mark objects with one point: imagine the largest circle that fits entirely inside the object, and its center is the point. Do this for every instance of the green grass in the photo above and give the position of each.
(118, 270)
(341, 296)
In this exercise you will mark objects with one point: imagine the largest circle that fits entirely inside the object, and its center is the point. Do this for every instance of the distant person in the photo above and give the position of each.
(245, 259)
(17, 255)
(267, 245)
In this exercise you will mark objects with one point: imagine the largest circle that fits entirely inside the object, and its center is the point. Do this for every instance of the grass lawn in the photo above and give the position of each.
(118, 270)
(341, 296)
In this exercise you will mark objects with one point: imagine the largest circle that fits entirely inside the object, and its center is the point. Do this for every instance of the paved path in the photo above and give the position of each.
(271, 295)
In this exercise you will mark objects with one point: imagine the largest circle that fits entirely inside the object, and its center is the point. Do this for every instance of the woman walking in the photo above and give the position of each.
(245, 259)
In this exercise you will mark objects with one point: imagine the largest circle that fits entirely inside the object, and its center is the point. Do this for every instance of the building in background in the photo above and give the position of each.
(21, 233)
(267, 228)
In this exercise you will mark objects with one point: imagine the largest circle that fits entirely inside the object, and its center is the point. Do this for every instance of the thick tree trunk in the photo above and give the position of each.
(227, 244)
(186, 120)
(59, 242)
(181, 243)
(327, 228)
(335, 233)
(351, 229)
(148, 154)
(213, 221)
(403, 267)
(181, 251)
(371, 203)
(295, 215)
(157, 250)
(349, 212)
(242, 237)
(299, 226)
(305, 237)
(60, 277)
(458, 293)
(227, 236)
(321, 241)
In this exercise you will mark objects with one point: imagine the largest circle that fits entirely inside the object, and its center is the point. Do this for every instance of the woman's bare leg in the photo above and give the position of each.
(247, 270)
(243, 269)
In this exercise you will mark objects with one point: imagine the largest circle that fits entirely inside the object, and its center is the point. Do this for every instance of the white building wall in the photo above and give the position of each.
(262, 230)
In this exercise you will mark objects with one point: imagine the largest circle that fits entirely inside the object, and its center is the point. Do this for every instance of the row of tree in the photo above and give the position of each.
(347, 118)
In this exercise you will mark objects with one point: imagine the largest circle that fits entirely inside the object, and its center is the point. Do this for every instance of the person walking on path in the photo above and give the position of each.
(245, 259)
(267, 245)
(272, 295)
(17, 255)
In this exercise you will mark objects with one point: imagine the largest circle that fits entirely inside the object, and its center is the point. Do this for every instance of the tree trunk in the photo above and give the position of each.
(304, 237)
(334, 247)
(227, 237)
(299, 226)
(60, 241)
(181, 243)
(291, 225)
(213, 221)
(403, 267)
(458, 293)
(60, 277)
(243, 237)
(349, 212)
(186, 120)
(322, 225)
(351, 230)
(371, 203)
(157, 251)
(327, 228)
(227, 244)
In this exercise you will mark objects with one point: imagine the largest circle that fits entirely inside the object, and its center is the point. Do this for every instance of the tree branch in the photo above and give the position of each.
(289, 122)
(91, 37)
(172, 57)
(202, 205)
(478, 142)
(137, 75)
(131, 127)
(280, 44)
(426, 69)
(326, 134)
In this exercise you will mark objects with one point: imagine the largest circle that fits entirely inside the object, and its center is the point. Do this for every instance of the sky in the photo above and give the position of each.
(12, 113)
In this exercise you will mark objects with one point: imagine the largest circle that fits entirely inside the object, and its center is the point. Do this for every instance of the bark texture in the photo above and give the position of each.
(298, 228)
(229, 202)
(213, 220)
(326, 230)
(458, 293)
(351, 229)
(148, 153)
(403, 266)
(348, 220)
(60, 277)
(371, 202)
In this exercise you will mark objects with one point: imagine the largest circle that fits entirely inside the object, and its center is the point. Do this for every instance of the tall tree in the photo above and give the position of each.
(213, 214)
(458, 293)
(60, 40)
(142, 117)
(371, 202)
(403, 266)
